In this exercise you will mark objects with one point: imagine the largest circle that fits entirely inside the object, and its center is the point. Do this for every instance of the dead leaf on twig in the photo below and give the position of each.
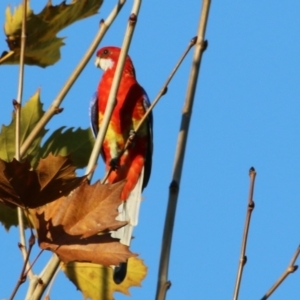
(77, 227)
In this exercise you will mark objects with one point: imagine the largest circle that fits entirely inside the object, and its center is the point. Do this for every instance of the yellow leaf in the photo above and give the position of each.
(42, 44)
(96, 281)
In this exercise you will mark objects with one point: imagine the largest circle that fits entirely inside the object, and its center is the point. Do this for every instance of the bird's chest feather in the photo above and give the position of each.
(127, 112)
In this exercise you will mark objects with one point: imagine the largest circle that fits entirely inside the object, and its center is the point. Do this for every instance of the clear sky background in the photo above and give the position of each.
(246, 113)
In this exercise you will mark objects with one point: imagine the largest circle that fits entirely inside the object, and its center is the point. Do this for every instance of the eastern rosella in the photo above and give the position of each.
(135, 164)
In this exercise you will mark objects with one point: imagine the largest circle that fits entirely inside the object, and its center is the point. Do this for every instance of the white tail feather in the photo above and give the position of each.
(129, 211)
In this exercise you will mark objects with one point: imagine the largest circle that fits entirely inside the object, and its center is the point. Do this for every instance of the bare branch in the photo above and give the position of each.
(66, 87)
(17, 106)
(21, 80)
(23, 247)
(23, 274)
(47, 296)
(163, 283)
(114, 88)
(243, 257)
(289, 270)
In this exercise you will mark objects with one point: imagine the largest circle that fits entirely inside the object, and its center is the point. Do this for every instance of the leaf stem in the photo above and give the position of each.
(163, 283)
(114, 88)
(54, 108)
(289, 270)
(243, 257)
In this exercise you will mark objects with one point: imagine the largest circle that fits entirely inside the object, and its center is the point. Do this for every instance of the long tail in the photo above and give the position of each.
(128, 211)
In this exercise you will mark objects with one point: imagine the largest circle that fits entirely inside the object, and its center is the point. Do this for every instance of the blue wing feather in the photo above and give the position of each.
(148, 162)
(94, 114)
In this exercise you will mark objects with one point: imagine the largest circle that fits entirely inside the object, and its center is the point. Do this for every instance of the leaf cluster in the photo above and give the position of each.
(71, 217)
(42, 44)
(77, 144)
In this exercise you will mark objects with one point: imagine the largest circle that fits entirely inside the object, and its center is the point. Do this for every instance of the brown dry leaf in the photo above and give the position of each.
(77, 227)
(21, 186)
(96, 281)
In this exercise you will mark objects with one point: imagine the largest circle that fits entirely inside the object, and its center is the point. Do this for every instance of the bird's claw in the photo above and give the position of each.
(132, 134)
(114, 163)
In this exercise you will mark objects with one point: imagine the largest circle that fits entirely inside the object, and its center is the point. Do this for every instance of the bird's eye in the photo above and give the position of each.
(105, 52)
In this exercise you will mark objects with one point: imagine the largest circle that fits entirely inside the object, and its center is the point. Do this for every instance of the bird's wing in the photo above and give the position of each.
(148, 160)
(94, 114)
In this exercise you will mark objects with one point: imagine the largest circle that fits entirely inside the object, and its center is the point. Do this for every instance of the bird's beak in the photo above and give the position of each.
(97, 62)
(104, 63)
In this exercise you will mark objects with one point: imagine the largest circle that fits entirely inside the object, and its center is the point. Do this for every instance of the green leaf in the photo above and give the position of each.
(8, 216)
(42, 44)
(31, 113)
(78, 144)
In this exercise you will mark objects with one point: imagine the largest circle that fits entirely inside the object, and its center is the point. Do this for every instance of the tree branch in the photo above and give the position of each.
(23, 274)
(17, 106)
(289, 270)
(243, 257)
(163, 283)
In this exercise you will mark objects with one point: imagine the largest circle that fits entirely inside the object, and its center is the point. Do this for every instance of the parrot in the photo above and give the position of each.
(134, 166)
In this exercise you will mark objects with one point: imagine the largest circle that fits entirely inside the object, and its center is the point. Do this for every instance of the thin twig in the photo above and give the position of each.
(17, 105)
(161, 93)
(289, 270)
(21, 81)
(163, 284)
(54, 108)
(114, 88)
(23, 274)
(22, 244)
(34, 261)
(243, 257)
(6, 56)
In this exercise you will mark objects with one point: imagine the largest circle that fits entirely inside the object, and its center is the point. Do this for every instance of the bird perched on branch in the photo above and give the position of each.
(135, 164)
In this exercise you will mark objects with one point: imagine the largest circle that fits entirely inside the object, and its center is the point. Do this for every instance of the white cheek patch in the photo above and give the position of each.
(104, 63)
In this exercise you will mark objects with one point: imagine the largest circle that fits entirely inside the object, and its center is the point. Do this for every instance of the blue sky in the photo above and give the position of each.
(246, 113)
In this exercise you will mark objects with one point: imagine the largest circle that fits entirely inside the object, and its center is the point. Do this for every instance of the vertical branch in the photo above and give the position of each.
(243, 257)
(18, 102)
(114, 87)
(163, 283)
(54, 108)
(17, 105)
(289, 270)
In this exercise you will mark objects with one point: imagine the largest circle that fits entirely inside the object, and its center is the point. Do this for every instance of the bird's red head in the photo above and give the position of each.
(107, 58)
